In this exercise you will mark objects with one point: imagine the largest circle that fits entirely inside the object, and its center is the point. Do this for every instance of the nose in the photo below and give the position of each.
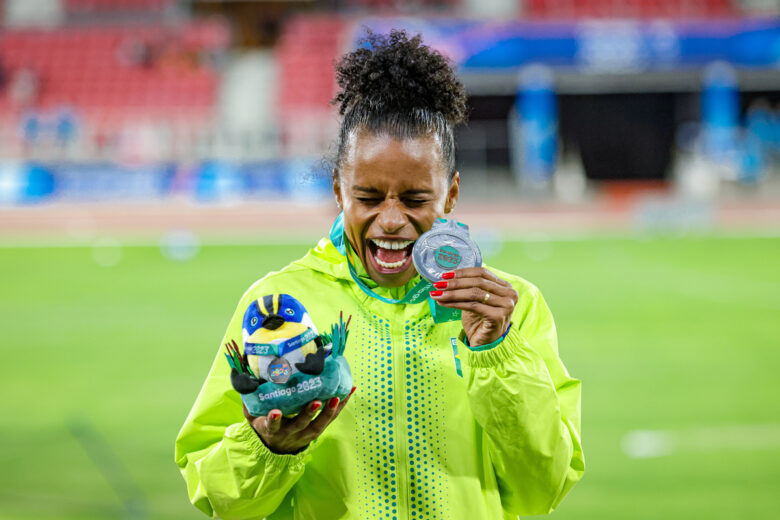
(273, 322)
(391, 219)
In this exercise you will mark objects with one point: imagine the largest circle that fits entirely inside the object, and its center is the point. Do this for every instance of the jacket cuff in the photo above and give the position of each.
(488, 346)
(244, 433)
(508, 347)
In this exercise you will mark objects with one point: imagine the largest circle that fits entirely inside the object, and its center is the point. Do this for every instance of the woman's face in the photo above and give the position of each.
(391, 192)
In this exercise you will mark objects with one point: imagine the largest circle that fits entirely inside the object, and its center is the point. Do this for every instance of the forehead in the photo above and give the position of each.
(386, 162)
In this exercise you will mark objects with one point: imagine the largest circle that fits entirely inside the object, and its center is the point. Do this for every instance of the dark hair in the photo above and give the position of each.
(394, 84)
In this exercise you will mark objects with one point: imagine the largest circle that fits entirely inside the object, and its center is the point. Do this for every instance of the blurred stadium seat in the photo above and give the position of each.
(113, 75)
(306, 52)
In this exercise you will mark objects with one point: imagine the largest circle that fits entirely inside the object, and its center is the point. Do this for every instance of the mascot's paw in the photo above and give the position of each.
(243, 383)
(314, 363)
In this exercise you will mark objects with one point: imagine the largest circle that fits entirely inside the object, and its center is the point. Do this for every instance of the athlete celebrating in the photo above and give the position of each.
(424, 436)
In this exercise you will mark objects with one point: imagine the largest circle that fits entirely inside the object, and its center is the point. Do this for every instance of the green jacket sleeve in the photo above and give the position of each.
(228, 470)
(529, 407)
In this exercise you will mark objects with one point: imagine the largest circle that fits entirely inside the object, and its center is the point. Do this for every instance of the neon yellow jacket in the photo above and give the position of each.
(416, 440)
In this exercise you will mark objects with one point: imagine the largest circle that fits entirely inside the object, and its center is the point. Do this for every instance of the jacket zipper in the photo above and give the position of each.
(402, 485)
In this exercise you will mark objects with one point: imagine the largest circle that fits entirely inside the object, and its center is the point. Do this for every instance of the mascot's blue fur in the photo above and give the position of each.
(286, 363)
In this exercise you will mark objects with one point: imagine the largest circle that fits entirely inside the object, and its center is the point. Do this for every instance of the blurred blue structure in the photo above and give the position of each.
(287, 179)
(25, 183)
(536, 114)
(720, 113)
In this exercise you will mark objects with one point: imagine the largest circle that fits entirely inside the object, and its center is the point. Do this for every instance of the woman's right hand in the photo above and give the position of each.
(284, 435)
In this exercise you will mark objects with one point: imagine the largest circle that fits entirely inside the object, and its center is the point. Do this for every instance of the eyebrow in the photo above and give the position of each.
(363, 189)
(405, 192)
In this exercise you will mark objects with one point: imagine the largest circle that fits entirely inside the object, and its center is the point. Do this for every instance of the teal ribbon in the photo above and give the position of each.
(417, 294)
(280, 349)
(454, 343)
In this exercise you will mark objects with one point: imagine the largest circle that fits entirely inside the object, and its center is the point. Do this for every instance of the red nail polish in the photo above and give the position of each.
(448, 276)
(274, 416)
(333, 403)
(440, 285)
(353, 390)
(315, 406)
(436, 293)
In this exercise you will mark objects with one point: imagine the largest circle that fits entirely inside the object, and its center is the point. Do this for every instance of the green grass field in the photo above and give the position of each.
(666, 334)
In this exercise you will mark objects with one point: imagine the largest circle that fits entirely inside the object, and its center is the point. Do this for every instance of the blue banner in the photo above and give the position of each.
(620, 45)
(210, 181)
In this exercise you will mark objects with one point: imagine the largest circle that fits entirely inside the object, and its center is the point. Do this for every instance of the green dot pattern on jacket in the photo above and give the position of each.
(423, 425)
(378, 437)
(420, 416)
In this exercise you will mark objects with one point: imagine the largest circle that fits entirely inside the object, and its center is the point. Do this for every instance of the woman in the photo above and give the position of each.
(424, 436)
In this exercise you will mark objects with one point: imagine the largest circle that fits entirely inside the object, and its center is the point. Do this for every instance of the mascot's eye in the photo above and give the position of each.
(253, 321)
(288, 311)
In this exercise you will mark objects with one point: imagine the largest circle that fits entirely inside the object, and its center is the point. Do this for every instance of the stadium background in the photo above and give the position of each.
(158, 156)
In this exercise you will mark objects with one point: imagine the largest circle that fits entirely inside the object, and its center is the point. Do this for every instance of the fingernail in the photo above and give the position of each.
(440, 285)
(315, 406)
(353, 390)
(333, 403)
(448, 276)
(274, 416)
(436, 293)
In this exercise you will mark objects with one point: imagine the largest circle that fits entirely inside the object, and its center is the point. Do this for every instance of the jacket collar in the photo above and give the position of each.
(327, 259)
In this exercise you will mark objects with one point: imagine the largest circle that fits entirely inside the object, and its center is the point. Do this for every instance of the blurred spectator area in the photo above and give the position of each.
(107, 77)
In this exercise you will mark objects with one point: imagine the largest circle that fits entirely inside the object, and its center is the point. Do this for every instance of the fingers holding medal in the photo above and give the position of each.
(486, 301)
(474, 289)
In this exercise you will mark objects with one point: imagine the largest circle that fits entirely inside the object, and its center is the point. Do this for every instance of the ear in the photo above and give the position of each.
(453, 192)
(337, 188)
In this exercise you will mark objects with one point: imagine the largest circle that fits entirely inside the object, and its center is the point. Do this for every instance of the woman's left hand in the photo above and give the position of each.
(486, 300)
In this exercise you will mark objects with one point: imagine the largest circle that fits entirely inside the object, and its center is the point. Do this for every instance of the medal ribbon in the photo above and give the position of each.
(417, 294)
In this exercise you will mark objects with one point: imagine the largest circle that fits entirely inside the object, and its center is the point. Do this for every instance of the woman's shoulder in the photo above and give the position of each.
(311, 273)
(287, 274)
(531, 306)
(520, 284)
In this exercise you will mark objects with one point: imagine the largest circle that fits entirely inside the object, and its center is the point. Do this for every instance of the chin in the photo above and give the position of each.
(393, 280)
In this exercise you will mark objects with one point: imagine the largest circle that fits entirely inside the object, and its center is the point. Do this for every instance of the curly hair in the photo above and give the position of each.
(394, 84)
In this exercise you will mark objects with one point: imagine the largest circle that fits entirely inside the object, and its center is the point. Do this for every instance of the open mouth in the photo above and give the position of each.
(390, 256)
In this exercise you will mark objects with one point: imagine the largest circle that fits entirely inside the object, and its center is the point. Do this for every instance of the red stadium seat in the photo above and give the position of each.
(93, 68)
(305, 55)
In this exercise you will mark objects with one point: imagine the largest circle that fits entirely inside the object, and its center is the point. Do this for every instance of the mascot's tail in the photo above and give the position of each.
(337, 336)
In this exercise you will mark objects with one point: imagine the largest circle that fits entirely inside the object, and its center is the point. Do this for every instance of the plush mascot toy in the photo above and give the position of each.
(286, 363)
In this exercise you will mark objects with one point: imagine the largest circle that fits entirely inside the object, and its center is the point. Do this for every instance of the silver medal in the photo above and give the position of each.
(445, 247)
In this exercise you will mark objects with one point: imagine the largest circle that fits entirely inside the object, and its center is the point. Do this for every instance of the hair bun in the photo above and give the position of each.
(397, 74)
